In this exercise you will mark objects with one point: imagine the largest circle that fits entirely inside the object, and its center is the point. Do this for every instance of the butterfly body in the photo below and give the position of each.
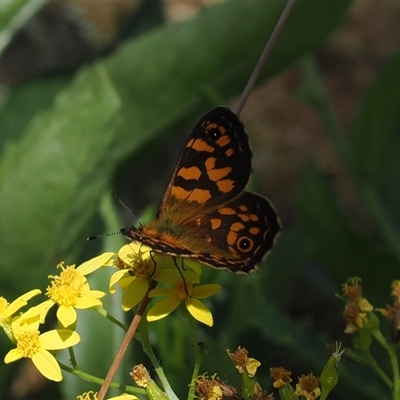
(205, 212)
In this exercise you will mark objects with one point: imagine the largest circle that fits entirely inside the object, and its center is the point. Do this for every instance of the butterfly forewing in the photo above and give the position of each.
(214, 166)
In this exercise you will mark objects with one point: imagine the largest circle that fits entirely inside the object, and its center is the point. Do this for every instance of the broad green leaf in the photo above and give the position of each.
(376, 139)
(13, 16)
(47, 176)
(375, 150)
(332, 240)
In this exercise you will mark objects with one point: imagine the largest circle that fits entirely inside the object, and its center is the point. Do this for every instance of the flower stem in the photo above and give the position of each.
(395, 385)
(102, 311)
(144, 339)
(94, 379)
(72, 357)
(198, 357)
(378, 370)
(125, 343)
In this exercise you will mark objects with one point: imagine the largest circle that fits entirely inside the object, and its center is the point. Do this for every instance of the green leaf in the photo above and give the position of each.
(13, 16)
(330, 238)
(376, 139)
(49, 177)
(375, 151)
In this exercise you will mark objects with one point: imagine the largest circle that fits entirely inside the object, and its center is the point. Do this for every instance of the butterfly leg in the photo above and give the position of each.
(154, 263)
(181, 274)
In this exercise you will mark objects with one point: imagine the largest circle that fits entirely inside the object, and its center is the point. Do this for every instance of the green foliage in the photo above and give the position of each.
(64, 138)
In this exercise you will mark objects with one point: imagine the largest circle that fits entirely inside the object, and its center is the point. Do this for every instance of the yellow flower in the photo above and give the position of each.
(243, 362)
(7, 310)
(308, 387)
(93, 396)
(358, 309)
(280, 376)
(392, 312)
(142, 379)
(182, 290)
(31, 344)
(208, 388)
(138, 265)
(71, 290)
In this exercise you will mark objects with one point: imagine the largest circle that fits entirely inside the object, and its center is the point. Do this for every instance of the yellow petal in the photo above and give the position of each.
(199, 311)
(41, 309)
(85, 302)
(115, 278)
(194, 265)
(134, 293)
(170, 276)
(12, 355)
(124, 397)
(162, 308)
(132, 251)
(204, 291)
(21, 301)
(59, 339)
(160, 292)
(97, 294)
(22, 324)
(66, 315)
(251, 366)
(95, 263)
(47, 365)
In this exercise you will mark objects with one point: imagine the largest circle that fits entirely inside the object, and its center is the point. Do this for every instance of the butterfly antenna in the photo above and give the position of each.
(102, 235)
(128, 209)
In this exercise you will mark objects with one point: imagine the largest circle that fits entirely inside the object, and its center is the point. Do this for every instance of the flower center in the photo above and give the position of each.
(182, 291)
(144, 268)
(28, 343)
(65, 289)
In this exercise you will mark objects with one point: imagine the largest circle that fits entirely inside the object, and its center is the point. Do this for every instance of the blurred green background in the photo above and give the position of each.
(96, 99)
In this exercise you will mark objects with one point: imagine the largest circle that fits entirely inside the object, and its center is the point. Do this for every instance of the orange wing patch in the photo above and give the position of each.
(218, 173)
(229, 152)
(226, 185)
(189, 173)
(179, 193)
(223, 141)
(200, 145)
(226, 211)
(200, 196)
(215, 223)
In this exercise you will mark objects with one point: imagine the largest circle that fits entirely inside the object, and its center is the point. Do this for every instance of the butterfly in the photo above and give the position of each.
(205, 212)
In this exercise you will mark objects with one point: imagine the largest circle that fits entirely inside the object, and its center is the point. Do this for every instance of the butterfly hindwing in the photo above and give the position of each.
(236, 235)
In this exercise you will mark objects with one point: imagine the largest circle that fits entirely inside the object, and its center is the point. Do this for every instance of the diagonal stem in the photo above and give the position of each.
(264, 56)
(125, 343)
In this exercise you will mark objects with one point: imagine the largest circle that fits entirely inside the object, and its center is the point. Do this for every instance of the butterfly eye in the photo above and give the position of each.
(244, 244)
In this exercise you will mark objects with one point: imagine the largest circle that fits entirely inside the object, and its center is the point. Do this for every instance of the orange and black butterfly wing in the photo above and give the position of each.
(235, 236)
(214, 166)
(204, 212)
